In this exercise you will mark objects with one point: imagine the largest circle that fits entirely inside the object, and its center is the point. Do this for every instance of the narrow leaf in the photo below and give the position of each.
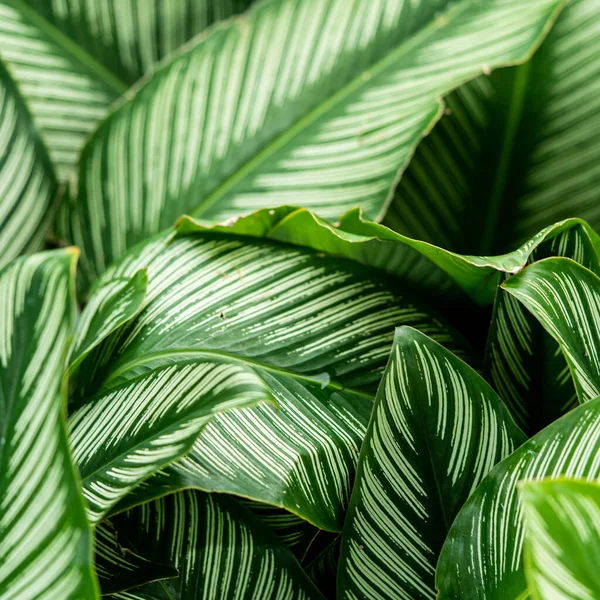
(565, 298)
(45, 539)
(562, 546)
(122, 436)
(317, 103)
(482, 558)
(436, 431)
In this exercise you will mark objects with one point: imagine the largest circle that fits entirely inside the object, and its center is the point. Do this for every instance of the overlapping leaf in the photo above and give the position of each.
(220, 549)
(436, 431)
(72, 60)
(124, 435)
(517, 151)
(316, 329)
(482, 557)
(562, 545)
(565, 297)
(318, 103)
(45, 540)
(27, 182)
(524, 363)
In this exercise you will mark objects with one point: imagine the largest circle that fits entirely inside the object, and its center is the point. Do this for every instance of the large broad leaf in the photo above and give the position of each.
(123, 436)
(45, 539)
(316, 329)
(517, 151)
(436, 431)
(317, 103)
(219, 547)
(562, 546)
(524, 363)
(482, 557)
(565, 298)
(71, 60)
(27, 181)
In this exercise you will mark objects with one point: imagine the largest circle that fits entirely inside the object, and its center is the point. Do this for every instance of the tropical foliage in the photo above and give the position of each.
(299, 299)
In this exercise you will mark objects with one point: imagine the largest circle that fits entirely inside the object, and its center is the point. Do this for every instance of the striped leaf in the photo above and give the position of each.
(562, 546)
(482, 557)
(317, 330)
(515, 152)
(27, 181)
(119, 568)
(111, 306)
(436, 431)
(219, 547)
(524, 363)
(313, 102)
(565, 297)
(72, 60)
(45, 540)
(124, 435)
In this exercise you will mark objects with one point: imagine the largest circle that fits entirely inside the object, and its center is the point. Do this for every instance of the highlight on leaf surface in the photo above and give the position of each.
(437, 428)
(562, 543)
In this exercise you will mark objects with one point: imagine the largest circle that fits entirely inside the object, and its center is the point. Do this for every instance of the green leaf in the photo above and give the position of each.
(220, 548)
(124, 435)
(316, 329)
(72, 60)
(517, 151)
(119, 568)
(524, 363)
(423, 266)
(319, 103)
(562, 546)
(436, 431)
(565, 298)
(27, 182)
(111, 306)
(482, 556)
(45, 539)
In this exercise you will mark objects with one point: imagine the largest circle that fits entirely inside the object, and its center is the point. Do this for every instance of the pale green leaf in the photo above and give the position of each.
(565, 297)
(72, 60)
(482, 558)
(45, 539)
(562, 546)
(436, 431)
(318, 103)
(515, 152)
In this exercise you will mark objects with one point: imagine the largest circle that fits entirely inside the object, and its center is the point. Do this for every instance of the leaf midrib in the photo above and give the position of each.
(116, 84)
(363, 79)
(186, 353)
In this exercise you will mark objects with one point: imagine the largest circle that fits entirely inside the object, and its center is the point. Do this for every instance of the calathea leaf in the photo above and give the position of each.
(562, 545)
(316, 329)
(119, 568)
(482, 557)
(437, 429)
(27, 182)
(565, 297)
(515, 152)
(45, 539)
(125, 434)
(319, 103)
(71, 60)
(416, 263)
(219, 547)
(524, 363)
(110, 307)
